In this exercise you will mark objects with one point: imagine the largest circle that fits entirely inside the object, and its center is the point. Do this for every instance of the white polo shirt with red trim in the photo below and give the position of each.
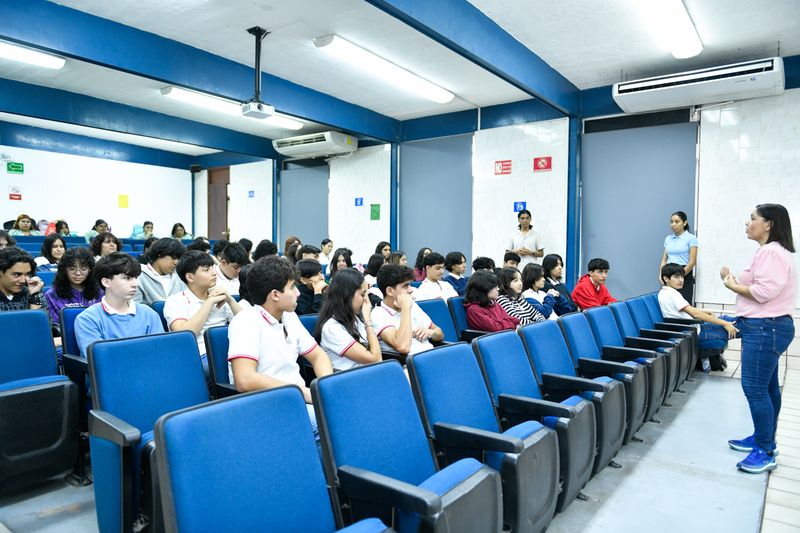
(384, 317)
(185, 304)
(274, 345)
(336, 341)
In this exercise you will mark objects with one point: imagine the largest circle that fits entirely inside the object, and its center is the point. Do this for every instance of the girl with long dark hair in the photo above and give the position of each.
(53, 249)
(73, 285)
(553, 267)
(511, 299)
(480, 302)
(344, 327)
(419, 264)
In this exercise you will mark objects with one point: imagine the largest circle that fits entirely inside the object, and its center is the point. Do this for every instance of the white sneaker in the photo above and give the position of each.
(706, 365)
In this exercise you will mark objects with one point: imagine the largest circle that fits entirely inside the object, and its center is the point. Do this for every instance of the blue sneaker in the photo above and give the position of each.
(757, 462)
(747, 444)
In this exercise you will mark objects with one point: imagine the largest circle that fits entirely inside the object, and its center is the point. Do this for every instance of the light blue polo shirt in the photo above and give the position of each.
(677, 247)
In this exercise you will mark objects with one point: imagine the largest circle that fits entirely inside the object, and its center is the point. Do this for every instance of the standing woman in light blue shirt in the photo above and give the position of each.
(681, 248)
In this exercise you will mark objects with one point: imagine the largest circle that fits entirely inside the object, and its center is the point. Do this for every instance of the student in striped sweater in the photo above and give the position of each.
(512, 301)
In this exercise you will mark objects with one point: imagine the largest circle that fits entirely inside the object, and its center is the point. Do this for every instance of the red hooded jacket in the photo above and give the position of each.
(492, 318)
(586, 295)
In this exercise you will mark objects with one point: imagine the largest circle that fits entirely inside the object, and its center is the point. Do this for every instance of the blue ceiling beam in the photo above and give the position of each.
(63, 106)
(20, 136)
(463, 28)
(82, 36)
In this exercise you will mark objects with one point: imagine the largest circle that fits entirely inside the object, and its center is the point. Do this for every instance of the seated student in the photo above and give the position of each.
(432, 287)
(553, 267)
(533, 287)
(511, 260)
(325, 254)
(247, 244)
(74, 285)
(398, 257)
(142, 257)
(59, 227)
(21, 289)
(100, 226)
(456, 265)
(179, 232)
(591, 290)
(159, 280)
(308, 251)
(674, 305)
(147, 231)
(376, 261)
(291, 253)
(290, 240)
(480, 302)
(419, 264)
(344, 328)
(512, 301)
(104, 244)
(401, 325)
(384, 248)
(24, 226)
(53, 249)
(6, 240)
(199, 244)
(265, 247)
(266, 339)
(228, 265)
(203, 304)
(116, 316)
(311, 287)
(483, 263)
(341, 259)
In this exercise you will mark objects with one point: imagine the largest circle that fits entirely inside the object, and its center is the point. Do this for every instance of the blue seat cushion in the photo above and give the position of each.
(551, 421)
(602, 379)
(365, 526)
(30, 382)
(521, 431)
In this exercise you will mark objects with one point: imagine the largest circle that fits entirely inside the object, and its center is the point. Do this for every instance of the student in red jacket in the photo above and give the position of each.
(480, 302)
(591, 291)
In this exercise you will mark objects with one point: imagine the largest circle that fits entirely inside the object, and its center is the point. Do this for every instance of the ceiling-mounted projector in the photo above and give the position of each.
(257, 110)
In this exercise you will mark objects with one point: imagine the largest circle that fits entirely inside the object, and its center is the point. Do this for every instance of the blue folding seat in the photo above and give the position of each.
(77, 369)
(517, 398)
(216, 340)
(641, 317)
(461, 422)
(158, 307)
(459, 314)
(135, 381)
(686, 325)
(416, 284)
(583, 346)
(38, 407)
(69, 342)
(559, 378)
(269, 477)
(47, 278)
(610, 341)
(309, 322)
(379, 461)
(440, 315)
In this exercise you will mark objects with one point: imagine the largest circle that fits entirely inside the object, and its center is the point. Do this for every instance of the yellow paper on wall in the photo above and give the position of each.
(123, 201)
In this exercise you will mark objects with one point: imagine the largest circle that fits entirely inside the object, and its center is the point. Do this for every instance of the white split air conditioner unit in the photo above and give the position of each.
(316, 144)
(750, 79)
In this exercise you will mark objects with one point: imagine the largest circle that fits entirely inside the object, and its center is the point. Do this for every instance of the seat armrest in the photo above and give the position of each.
(596, 366)
(647, 344)
(106, 426)
(468, 334)
(364, 485)
(626, 353)
(458, 436)
(561, 382)
(442, 343)
(663, 326)
(224, 390)
(521, 405)
(74, 365)
(394, 354)
(684, 321)
(660, 334)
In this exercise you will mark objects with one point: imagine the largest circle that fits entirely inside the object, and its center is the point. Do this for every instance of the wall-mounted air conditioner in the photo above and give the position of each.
(740, 81)
(316, 144)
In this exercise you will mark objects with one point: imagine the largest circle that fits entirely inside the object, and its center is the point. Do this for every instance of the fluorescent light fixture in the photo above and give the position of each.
(378, 66)
(671, 23)
(23, 54)
(225, 106)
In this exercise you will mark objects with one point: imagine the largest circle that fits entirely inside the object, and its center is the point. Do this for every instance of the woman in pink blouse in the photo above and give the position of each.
(766, 292)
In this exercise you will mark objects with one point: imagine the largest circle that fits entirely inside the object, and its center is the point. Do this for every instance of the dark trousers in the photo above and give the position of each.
(688, 287)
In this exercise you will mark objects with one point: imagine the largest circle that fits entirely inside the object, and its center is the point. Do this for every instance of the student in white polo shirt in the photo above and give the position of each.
(231, 260)
(399, 322)
(432, 287)
(203, 304)
(266, 339)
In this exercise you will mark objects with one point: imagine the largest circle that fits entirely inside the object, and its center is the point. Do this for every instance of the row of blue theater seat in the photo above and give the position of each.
(546, 365)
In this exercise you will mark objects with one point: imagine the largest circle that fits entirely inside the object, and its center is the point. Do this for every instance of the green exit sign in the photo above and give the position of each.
(13, 167)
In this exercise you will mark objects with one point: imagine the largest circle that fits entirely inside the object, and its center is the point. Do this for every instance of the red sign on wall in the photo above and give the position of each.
(502, 167)
(543, 164)
(15, 196)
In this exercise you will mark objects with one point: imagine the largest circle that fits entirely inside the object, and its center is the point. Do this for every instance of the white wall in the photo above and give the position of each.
(82, 189)
(366, 174)
(200, 203)
(250, 216)
(494, 218)
(749, 154)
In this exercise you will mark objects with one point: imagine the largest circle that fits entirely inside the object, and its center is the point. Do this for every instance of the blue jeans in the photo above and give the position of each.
(763, 341)
(713, 336)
